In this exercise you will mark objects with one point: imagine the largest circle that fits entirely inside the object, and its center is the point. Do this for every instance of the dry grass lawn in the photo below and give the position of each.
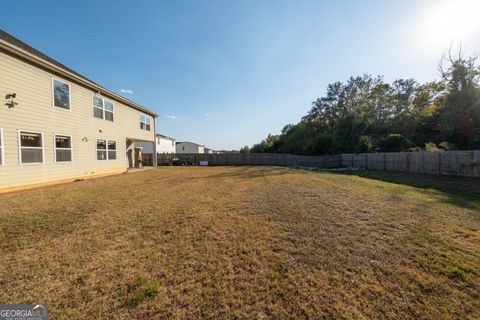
(245, 242)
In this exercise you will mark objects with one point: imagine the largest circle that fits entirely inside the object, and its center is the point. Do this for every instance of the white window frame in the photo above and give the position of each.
(103, 108)
(106, 149)
(19, 133)
(55, 147)
(69, 94)
(145, 123)
(93, 107)
(2, 151)
(149, 123)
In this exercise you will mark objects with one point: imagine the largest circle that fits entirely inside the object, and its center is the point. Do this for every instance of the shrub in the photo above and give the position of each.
(366, 144)
(432, 147)
(395, 143)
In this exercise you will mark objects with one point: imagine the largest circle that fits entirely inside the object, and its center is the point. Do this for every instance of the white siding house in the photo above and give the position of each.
(189, 147)
(164, 144)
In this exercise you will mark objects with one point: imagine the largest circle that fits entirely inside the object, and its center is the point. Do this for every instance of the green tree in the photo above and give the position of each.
(395, 143)
(268, 145)
(245, 149)
(367, 114)
(461, 111)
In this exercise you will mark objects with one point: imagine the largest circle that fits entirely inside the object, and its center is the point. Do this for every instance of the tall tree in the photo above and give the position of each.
(367, 114)
(461, 111)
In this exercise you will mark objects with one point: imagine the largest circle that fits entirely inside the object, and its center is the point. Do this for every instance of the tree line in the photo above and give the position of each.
(367, 114)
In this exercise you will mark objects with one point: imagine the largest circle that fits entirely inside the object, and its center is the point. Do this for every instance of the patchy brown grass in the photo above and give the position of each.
(244, 242)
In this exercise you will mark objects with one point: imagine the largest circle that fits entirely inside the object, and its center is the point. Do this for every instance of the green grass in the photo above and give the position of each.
(460, 191)
(245, 242)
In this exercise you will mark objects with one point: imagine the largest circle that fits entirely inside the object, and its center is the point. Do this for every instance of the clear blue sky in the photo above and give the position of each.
(227, 73)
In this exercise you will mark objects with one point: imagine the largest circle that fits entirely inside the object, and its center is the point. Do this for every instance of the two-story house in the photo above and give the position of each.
(165, 144)
(189, 147)
(56, 125)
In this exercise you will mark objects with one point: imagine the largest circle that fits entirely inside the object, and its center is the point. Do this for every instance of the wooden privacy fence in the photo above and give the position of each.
(249, 159)
(461, 163)
(455, 163)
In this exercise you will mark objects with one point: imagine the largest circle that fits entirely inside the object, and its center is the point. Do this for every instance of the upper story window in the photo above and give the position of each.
(108, 106)
(61, 94)
(102, 108)
(63, 148)
(1, 147)
(31, 147)
(144, 122)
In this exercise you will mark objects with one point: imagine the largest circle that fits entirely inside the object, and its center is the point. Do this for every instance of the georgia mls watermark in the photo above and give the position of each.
(23, 312)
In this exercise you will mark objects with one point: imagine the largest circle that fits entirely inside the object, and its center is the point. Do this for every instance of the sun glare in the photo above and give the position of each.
(446, 23)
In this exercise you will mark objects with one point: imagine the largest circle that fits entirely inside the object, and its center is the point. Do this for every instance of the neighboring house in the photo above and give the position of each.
(165, 144)
(209, 151)
(227, 151)
(189, 147)
(57, 125)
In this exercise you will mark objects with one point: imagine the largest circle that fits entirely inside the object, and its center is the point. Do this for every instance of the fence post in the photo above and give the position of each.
(408, 162)
(439, 163)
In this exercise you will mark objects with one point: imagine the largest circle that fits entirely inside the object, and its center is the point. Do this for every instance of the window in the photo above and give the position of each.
(148, 123)
(63, 148)
(101, 149)
(108, 105)
(145, 122)
(173, 143)
(61, 94)
(31, 147)
(106, 149)
(97, 107)
(112, 150)
(102, 108)
(2, 156)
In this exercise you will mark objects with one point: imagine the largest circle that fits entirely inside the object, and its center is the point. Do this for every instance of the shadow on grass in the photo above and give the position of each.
(248, 172)
(460, 191)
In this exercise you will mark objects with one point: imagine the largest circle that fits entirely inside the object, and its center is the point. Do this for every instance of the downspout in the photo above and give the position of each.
(154, 143)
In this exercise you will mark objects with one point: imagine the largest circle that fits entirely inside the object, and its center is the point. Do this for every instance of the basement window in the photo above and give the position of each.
(61, 94)
(63, 148)
(31, 147)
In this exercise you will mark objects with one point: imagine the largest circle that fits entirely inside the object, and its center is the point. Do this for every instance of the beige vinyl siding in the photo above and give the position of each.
(35, 112)
(2, 155)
